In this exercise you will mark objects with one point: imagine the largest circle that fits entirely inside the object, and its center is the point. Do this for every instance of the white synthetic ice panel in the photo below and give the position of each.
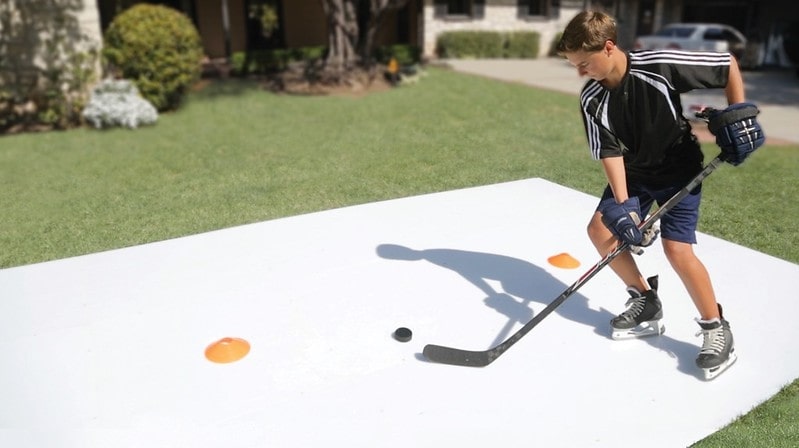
(107, 350)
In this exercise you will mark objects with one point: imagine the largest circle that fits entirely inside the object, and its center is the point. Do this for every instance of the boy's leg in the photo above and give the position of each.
(644, 309)
(624, 265)
(694, 276)
(718, 347)
(678, 233)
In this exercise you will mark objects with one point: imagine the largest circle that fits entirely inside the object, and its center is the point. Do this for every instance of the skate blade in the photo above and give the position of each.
(644, 329)
(718, 370)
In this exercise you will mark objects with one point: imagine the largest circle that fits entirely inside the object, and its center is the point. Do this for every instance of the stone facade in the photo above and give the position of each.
(89, 19)
(34, 25)
(497, 15)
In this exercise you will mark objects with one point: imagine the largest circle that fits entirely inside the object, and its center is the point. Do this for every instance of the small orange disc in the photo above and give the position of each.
(227, 350)
(564, 261)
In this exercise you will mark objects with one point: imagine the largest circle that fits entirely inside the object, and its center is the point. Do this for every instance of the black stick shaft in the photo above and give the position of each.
(454, 356)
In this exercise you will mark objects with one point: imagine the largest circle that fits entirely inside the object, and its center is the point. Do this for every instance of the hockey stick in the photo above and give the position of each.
(454, 356)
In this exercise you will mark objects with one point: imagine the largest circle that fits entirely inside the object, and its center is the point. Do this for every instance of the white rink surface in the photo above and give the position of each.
(107, 350)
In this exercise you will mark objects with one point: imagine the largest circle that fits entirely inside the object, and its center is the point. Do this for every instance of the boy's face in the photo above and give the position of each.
(597, 65)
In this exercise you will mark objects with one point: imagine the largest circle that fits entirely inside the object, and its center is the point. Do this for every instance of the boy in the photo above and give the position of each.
(635, 127)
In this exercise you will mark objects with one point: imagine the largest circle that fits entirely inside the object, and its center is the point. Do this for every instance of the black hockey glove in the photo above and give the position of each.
(622, 220)
(737, 131)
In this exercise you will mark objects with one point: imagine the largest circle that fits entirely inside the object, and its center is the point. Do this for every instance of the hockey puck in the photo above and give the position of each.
(402, 334)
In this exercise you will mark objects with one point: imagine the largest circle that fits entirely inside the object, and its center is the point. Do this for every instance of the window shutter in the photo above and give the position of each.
(554, 8)
(523, 8)
(439, 8)
(478, 9)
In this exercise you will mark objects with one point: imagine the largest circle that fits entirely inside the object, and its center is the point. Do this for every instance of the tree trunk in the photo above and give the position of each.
(345, 52)
(342, 36)
(377, 13)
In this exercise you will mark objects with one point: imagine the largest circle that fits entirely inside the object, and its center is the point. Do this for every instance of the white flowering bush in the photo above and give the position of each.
(117, 102)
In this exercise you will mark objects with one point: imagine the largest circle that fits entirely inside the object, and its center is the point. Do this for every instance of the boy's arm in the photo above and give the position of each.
(621, 214)
(737, 131)
(617, 177)
(734, 90)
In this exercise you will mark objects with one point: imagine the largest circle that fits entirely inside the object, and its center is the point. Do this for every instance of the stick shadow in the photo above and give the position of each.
(521, 284)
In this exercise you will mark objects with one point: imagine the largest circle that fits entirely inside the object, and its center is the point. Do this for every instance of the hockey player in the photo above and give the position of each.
(635, 127)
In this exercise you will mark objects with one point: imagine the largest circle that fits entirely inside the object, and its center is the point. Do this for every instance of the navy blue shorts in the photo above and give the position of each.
(679, 223)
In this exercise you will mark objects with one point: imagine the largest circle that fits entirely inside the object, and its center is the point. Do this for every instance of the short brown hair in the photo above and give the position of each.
(587, 31)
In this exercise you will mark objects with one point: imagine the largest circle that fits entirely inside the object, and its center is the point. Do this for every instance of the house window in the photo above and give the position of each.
(603, 5)
(529, 8)
(459, 8)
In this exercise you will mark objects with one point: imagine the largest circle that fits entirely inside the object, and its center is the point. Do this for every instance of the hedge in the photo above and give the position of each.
(488, 44)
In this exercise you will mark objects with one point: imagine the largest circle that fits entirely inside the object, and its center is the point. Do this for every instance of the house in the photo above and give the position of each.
(227, 27)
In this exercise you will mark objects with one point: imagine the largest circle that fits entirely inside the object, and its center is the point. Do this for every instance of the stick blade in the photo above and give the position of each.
(457, 357)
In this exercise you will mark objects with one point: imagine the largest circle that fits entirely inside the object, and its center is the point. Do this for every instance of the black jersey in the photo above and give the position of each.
(642, 119)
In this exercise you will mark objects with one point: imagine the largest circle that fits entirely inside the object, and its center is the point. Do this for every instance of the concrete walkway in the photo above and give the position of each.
(776, 92)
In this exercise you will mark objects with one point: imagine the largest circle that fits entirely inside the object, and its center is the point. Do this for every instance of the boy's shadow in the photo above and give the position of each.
(522, 283)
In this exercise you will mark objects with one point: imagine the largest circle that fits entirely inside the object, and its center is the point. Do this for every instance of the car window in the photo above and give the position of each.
(714, 34)
(675, 31)
(729, 36)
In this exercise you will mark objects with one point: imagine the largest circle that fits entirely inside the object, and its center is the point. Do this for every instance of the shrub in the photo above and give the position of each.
(488, 44)
(159, 49)
(522, 44)
(405, 54)
(470, 44)
(270, 61)
(553, 48)
(118, 103)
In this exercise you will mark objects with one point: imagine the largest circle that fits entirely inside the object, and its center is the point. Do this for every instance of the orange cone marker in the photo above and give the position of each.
(564, 261)
(227, 350)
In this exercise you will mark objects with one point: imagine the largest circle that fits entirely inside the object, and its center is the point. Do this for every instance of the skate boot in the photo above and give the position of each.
(643, 314)
(718, 347)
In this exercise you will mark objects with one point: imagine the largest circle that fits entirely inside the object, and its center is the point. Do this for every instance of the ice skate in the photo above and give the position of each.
(718, 348)
(643, 314)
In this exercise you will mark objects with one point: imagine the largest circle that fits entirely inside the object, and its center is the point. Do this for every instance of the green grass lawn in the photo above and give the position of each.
(237, 154)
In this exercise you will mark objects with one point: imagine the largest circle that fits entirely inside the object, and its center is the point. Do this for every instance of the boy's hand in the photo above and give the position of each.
(737, 131)
(622, 219)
